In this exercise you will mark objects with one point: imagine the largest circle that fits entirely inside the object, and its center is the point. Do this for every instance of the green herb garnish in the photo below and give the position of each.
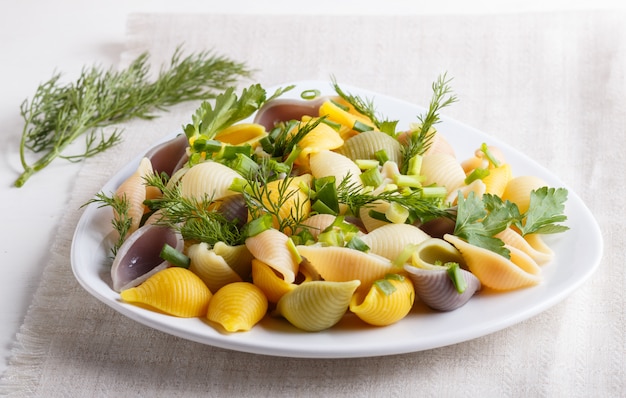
(59, 113)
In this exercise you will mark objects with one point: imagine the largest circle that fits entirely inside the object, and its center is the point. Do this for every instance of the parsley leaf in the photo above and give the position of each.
(545, 210)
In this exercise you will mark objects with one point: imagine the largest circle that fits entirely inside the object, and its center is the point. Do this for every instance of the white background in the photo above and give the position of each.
(38, 38)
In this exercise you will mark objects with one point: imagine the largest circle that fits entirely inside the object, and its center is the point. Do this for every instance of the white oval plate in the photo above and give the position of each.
(577, 255)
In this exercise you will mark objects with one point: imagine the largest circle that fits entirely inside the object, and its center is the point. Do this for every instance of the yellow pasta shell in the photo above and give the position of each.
(320, 138)
(297, 203)
(380, 309)
(338, 115)
(496, 271)
(518, 190)
(242, 133)
(498, 179)
(272, 284)
(175, 291)
(317, 305)
(513, 238)
(237, 306)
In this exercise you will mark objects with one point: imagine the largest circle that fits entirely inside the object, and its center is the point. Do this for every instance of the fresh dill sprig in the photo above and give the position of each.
(196, 219)
(286, 141)
(365, 106)
(420, 139)
(262, 199)
(121, 222)
(355, 197)
(59, 113)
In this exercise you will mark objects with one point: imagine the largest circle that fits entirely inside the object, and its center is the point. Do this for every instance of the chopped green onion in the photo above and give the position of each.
(372, 177)
(413, 181)
(396, 213)
(341, 106)
(326, 192)
(293, 155)
(455, 274)
(361, 127)
(357, 243)
(405, 255)
(335, 126)
(266, 144)
(434, 192)
(291, 246)
(231, 151)
(310, 94)
(174, 257)
(381, 156)
(366, 164)
(243, 165)
(395, 277)
(492, 159)
(238, 185)
(415, 165)
(258, 225)
(322, 208)
(333, 237)
(377, 215)
(385, 286)
(203, 145)
(476, 174)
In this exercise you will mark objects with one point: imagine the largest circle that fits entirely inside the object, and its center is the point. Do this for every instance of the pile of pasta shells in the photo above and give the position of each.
(313, 285)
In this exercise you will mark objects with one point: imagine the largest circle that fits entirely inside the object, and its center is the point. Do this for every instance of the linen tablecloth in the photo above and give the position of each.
(550, 84)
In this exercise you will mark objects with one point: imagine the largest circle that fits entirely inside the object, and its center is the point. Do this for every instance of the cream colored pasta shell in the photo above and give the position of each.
(211, 267)
(477, 186)
(133, 189)
(366, 144)
(370, 223)
(380, 309)
(513, 238)
(327, 163)
(208, 179)
(443, 170)
(237, 307)
(317, 223)
(439, 144)
(340, 264)
(317, 305)
(433, 251)
(496, 271)
(270, 247)
(390, 240)
(237, 257)
(518, 190)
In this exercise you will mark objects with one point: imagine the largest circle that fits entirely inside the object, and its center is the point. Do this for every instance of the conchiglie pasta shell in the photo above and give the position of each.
(211, 267)
(237, 306)
(496, 271)
(134, 190)
(242, 133)
(345, 118)
(370, 223)
(322, 137)
(391, 239)
(435, 288)
(380, 309)
(209, 179)
(433, 251)
(497, 179)
(317, 223)
(271, 283)
(440, 145)
(297, 203)
(317, 305)
(443, 170)
(518, 190)
(270, 247)
(237, 257)
(365, 145)
(513, 238)
(340, 264)
(175, 291)
(327, 163)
